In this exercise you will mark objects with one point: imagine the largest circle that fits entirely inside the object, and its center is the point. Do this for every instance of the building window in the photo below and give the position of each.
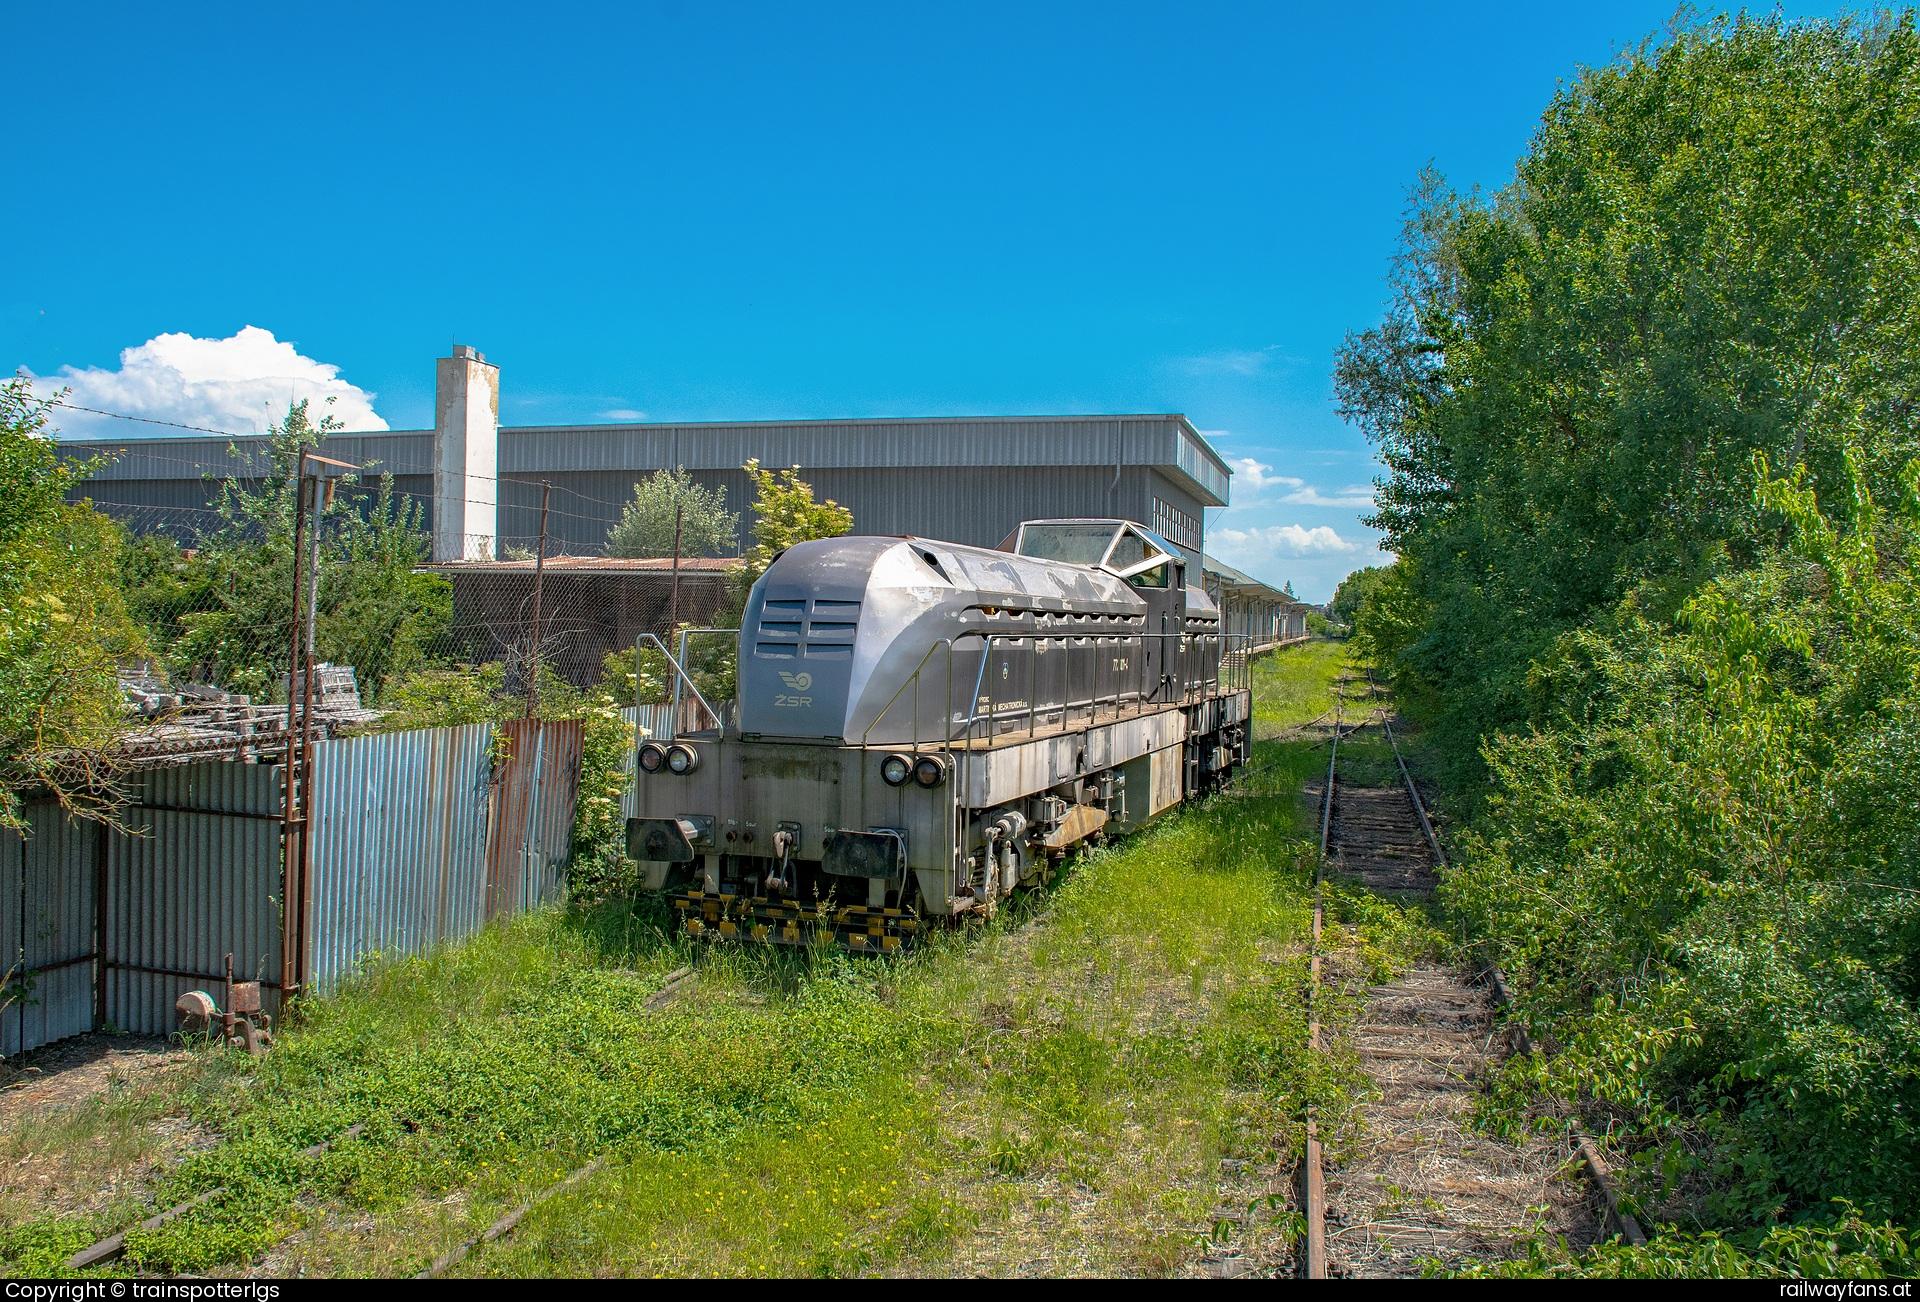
(1175, 525)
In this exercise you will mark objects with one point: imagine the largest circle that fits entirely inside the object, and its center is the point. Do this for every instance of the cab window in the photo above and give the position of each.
(1129, 549)
(1082, 544)
(1153, 578)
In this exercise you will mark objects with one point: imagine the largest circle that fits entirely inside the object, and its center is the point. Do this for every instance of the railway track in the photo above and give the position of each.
(1408, 1181)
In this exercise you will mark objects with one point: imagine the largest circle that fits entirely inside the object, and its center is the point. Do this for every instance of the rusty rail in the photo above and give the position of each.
(506, 1224)
(1314, 1161)
(678, 982)
(115, 1244)
(1597, 1166)
(1589, 1151)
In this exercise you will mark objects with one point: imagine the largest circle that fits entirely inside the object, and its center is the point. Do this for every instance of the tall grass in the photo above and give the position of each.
(1055, 1091)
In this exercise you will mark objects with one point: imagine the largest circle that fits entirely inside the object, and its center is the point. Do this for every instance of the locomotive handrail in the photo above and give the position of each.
(684, 677)
(719, 714)
(1141, 696)
(1222, 653)
(913, 681)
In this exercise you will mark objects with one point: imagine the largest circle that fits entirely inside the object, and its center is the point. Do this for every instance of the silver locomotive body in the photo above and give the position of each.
(920, 727)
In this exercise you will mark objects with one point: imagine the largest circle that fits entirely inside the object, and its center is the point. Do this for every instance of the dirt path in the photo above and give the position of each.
(71, 1072)
(84, 1122)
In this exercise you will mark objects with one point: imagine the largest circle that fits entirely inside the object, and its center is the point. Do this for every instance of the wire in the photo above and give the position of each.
(148, 420)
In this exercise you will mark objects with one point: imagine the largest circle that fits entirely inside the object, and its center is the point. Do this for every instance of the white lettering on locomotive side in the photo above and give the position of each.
(793, 702)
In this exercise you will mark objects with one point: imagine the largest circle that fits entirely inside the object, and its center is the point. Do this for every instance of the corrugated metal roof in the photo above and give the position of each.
(1241, 579)
(1168, 441)
(587, 565)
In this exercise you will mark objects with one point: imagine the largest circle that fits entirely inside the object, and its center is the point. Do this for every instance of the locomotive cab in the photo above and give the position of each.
(1153, 567)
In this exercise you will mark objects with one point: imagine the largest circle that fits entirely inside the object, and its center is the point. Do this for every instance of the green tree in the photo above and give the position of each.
(1711, 248)
(1639, 412)
(646, 525)
(63, 625)
(1391, 616)
(1704, 873)
(784, 513)
(1353, 590)
(223, 616)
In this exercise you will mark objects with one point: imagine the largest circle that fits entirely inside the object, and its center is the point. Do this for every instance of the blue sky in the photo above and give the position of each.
(707, 213)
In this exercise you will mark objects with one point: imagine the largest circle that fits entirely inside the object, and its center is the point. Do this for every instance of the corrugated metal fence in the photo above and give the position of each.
(195, 878)
(532, 826)
(49, 927)
(419, 839)
(400, 841)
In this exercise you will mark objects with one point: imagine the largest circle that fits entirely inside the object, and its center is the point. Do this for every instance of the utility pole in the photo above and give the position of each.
(539, 570)
(290, 809)
(322, 499)
(315, 495)
(673, 608)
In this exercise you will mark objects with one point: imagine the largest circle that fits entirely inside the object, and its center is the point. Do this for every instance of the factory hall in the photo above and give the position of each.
(480, 489)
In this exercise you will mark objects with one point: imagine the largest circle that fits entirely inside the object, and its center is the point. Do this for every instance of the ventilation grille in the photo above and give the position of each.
(812, 629)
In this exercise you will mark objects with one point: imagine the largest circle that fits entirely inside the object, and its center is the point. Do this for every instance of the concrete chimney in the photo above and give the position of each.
(466, 456)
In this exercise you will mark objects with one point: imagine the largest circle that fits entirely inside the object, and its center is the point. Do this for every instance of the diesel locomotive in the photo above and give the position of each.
(921, 727)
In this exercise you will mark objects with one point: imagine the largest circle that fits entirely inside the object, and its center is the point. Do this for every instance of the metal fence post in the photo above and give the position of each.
(102, 834)
(539, 572)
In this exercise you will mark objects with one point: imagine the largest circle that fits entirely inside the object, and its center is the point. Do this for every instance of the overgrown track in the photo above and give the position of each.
(1416, 1184)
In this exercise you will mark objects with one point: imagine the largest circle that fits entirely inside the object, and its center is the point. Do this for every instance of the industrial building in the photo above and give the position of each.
(961, 479)
(1252, 608)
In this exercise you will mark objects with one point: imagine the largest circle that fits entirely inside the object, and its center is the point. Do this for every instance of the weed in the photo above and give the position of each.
(1057, 1089)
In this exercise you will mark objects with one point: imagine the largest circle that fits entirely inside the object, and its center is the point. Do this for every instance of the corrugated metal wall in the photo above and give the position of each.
(402, 825)
(197, 879)
(531, 834)
(975, 505)
(48, 890)
(967, 480)
(400, 845)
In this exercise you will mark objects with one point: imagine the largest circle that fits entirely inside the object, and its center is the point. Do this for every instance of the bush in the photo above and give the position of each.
(63, 624)
(1705, 875)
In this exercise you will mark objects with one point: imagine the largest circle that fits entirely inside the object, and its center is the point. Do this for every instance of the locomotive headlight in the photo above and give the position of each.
(895, 769)
(652, 757)
(682, 760)
(930, 771)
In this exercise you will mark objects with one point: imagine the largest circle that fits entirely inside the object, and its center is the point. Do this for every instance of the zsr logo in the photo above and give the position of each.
(799, 683)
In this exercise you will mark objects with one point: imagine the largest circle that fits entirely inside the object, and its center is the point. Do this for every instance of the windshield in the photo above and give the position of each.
(1083, 544)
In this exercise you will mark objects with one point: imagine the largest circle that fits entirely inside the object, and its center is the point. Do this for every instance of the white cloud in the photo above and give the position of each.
(1232, 362)
(1257, 475)
(1255, 545)
(1352, 495)
(238, 385)
(623, 413)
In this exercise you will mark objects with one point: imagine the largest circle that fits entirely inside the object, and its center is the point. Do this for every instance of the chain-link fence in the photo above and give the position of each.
(223, 594)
